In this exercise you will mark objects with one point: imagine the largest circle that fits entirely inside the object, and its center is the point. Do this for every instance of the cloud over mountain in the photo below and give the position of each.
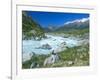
(77, 20)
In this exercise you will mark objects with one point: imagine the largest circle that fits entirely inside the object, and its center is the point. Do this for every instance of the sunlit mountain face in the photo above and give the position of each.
(70, 25)
(77, 21)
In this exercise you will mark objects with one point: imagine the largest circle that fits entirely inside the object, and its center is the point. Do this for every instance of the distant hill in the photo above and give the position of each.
(30, 28)
(50, 28)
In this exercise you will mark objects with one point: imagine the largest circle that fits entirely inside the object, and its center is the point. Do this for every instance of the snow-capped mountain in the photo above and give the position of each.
(77, 21)
(74, 25)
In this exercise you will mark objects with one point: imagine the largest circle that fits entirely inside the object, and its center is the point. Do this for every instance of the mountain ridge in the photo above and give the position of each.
(74, 25)
(30, 28)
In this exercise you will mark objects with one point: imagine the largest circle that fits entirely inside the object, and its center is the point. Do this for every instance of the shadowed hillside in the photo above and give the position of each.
(30, 28)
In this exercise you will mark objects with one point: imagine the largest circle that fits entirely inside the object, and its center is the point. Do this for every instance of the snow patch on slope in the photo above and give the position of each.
(77, 20)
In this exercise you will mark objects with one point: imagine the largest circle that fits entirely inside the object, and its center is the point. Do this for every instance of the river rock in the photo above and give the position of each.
(46, 46)
(52, 59)
(34, 65)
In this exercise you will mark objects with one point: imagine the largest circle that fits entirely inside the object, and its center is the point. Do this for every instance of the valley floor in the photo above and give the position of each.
(72, 55)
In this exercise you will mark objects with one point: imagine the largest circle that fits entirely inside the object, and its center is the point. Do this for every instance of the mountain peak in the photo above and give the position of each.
(77, 20)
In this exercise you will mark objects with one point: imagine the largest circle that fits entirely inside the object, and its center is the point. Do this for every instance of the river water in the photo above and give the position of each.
(30, 46)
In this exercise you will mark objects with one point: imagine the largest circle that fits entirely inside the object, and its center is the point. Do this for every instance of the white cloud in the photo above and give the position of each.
(77, 20)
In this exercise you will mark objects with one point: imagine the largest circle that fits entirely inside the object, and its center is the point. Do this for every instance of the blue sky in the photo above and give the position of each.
(46, 19)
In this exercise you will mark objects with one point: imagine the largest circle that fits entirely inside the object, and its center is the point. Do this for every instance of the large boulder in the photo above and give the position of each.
(63, 44)
(52, 59)
(46, 46)
(34, 65)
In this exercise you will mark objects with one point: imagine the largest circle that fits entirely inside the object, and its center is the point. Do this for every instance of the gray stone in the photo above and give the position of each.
(45, 46)
(34, 65)
(52, 59)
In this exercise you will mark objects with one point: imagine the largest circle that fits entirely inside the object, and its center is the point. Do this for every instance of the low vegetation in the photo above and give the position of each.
(30, 28)
(76, 56)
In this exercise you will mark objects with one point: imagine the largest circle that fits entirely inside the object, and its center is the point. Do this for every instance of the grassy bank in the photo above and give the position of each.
(76, 56)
